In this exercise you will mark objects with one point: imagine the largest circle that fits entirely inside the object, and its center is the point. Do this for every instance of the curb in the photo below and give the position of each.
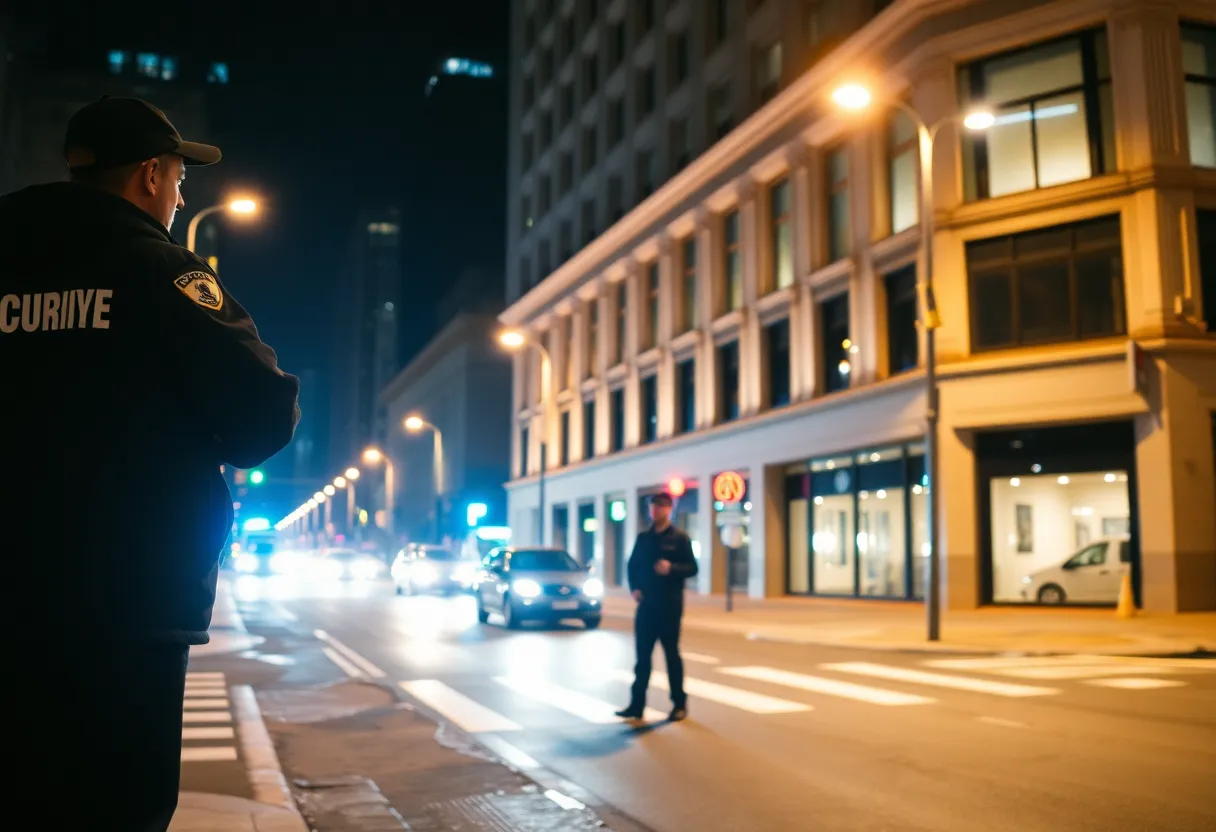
(261, 761)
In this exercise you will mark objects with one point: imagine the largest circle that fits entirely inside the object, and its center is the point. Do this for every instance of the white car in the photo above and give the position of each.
(1091, 575)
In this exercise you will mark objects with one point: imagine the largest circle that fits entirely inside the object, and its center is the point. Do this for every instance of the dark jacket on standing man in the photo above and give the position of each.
(130, 375)
(663, 593)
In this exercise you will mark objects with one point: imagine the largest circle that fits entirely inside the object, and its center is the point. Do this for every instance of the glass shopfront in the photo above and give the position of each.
(857, 525)
(1058, 513)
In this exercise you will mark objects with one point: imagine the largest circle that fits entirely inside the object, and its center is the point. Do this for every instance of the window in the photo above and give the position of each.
(616, 197)
(616, 424)
(728, 381)
(835, 344)
(525, 273)
(589, 429)
(777, 351)
(218, 73)
(569, 36)
(652, 304)
(903, 156)
(523, 450)
(544, 198)
(529, 32)
(650, 409)
(732, 263)
(616, 44)
(688, 260)
(593, 337)
(840, 228)
(571, 365)
(645, 15)
(680, 59)
(543, 261)
(647, 162)
(616, 121)
(527, 151)
(564, 451)
(590, 148)
(565, 172)
(1205, 221)
(721, 110)
(566, 106)
(588, 221)
(783, 244)
(546, 130)
(686, 385)
(767, 72)
(1199, 66)
(1063, 283)
(565, 242)
(525, 213)
(529, 91)
(622, 319)
(903, 343)
(681, 149)
(545, 69)
(1054, 117)
(591, 76)
(647, 92)
(719, 28)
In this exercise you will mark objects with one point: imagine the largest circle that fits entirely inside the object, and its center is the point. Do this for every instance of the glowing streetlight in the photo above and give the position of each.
(512, 339)
(373, 456)
(319, 496)
(329, 490)
(241, 207)
(351, 474)
(414, 424)
(339, 482)
(852, 97)
(979, 120)
(312, 504)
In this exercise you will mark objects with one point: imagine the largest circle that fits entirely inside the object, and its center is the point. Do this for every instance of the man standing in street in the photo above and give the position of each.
(662, 560)
(130, 377)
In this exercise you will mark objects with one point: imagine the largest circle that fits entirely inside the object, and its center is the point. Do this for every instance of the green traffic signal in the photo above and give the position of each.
(256, 476)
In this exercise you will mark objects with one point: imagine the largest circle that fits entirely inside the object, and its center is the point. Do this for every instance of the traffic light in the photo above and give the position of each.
(256, 476)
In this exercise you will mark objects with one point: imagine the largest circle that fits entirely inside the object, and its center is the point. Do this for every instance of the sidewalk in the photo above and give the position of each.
(893, 625)
(274, 810)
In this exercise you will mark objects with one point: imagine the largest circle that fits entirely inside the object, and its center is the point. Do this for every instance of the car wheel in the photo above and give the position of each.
(482, 614)
(509, 616)
(1051, 594)
(592, 623)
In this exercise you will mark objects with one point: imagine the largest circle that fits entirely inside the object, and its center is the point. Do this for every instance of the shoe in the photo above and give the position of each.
(679, 713)
(630, 713)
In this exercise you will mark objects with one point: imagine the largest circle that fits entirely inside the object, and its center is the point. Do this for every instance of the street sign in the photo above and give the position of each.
(729, 487)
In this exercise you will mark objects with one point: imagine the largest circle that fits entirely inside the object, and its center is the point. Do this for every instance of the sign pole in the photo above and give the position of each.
(729, 488)
(730, 561)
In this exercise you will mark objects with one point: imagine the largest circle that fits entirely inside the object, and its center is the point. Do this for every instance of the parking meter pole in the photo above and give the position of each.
(730, 562)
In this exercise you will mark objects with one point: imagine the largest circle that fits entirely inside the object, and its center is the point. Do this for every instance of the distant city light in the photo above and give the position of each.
(382, 228)
(218, 74)
(118, 60)
(464, 66)
(475, 513)
(257, 524)
(148, 64)
(168, 69)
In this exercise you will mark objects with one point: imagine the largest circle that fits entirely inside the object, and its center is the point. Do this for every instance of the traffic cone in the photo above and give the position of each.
(1127, 602)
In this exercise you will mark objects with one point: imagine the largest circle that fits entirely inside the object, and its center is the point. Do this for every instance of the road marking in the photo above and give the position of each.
(343, 664)
(203, 704)
(699, 658)
(756, 703)
(1078, 659)
(1134, 683)
(282, 612)
(205, 693)
(200, 675)
(571, 701)
(363, 664)
(209, 754)
(216, 733)
(941, 680)
(1087, 671)
(1004, 723)
(458, 708)
(189, 717)
(831, 687)
(260, 758)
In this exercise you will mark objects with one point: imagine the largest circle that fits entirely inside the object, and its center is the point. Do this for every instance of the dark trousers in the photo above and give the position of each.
(94, 735)
(651, 625)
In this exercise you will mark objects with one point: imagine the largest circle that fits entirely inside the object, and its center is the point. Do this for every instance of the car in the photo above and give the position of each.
(1090, 575)
(422, 568)
(537, 584)
(338, 564)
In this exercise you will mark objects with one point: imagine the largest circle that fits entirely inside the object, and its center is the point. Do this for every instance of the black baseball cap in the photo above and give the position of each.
(661, 499)
(112, 132)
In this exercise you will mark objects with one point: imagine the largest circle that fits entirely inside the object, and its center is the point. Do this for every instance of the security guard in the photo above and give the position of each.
(661, 561)
(130, 375)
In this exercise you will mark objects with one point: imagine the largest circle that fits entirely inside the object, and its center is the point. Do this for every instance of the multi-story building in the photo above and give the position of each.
(759, 311)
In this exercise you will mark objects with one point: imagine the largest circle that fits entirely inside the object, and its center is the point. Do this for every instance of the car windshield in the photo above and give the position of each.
(542, 560)
(438, 554)
(260, 547)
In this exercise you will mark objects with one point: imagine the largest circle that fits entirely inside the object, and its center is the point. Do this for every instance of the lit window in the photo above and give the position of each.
(168, 69)
(902, 155)
(732, 259)
(148, 64)
(689, 262)
(218, 74)
(118, 60)
(382, 228)
(840, 233)
(1199, 64)
(463, 66)
(783, 246)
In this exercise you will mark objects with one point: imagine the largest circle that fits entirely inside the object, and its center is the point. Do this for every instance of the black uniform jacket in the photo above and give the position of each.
(129, 375)
(661, 593)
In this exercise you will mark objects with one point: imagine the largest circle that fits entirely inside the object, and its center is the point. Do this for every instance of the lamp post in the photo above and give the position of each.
(240, 207)
(856, 97)
(351, 475)
(375, 456)
(515, 340)
(416, 424)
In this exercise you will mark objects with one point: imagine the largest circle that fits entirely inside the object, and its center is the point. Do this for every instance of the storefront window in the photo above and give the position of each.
(797, 525)
(832, 489)
(881, 522)
(1060, 538)
(918, 512)
(1199, 65)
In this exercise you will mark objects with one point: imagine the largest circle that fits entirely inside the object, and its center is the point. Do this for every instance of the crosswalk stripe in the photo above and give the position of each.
(756, 703)
(941, 680)
(204, 674)
(1135, 683)
(1087, 671)
(203, 704)
(699, 658)
(218, 732)
(830, 687)
(458, 708)
(571, 701)
(206, 716)
(209, 754)
(205, 693)
(994, 663)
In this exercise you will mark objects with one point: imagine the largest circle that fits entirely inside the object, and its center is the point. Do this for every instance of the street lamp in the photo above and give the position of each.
(514, 340)
(374, 456)
(856, 97)
(238, 207)
(350, 475)
(416, 424)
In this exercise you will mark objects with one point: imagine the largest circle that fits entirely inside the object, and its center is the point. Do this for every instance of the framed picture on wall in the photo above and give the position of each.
(1024, 524)
(1116, 526)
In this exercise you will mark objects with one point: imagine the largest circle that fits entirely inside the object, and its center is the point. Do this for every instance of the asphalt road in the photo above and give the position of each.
(785, 737)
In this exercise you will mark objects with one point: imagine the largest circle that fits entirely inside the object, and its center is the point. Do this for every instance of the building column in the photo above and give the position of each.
(863, 292)
(751, 361)
(633, 339)
(802, 347)
(709, 281)
(708, 580)
(957, 513)
(668, 306)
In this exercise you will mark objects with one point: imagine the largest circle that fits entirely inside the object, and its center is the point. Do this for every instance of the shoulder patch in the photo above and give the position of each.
(201, 288)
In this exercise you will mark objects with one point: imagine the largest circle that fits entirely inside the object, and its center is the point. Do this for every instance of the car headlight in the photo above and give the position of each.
(365, 570)
(465, 573)
(424, 573)
(1027, 579)
(246, 563)
(526, 588)
(593, 588)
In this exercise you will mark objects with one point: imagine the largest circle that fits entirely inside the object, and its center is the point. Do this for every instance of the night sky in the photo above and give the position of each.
(324, 114)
